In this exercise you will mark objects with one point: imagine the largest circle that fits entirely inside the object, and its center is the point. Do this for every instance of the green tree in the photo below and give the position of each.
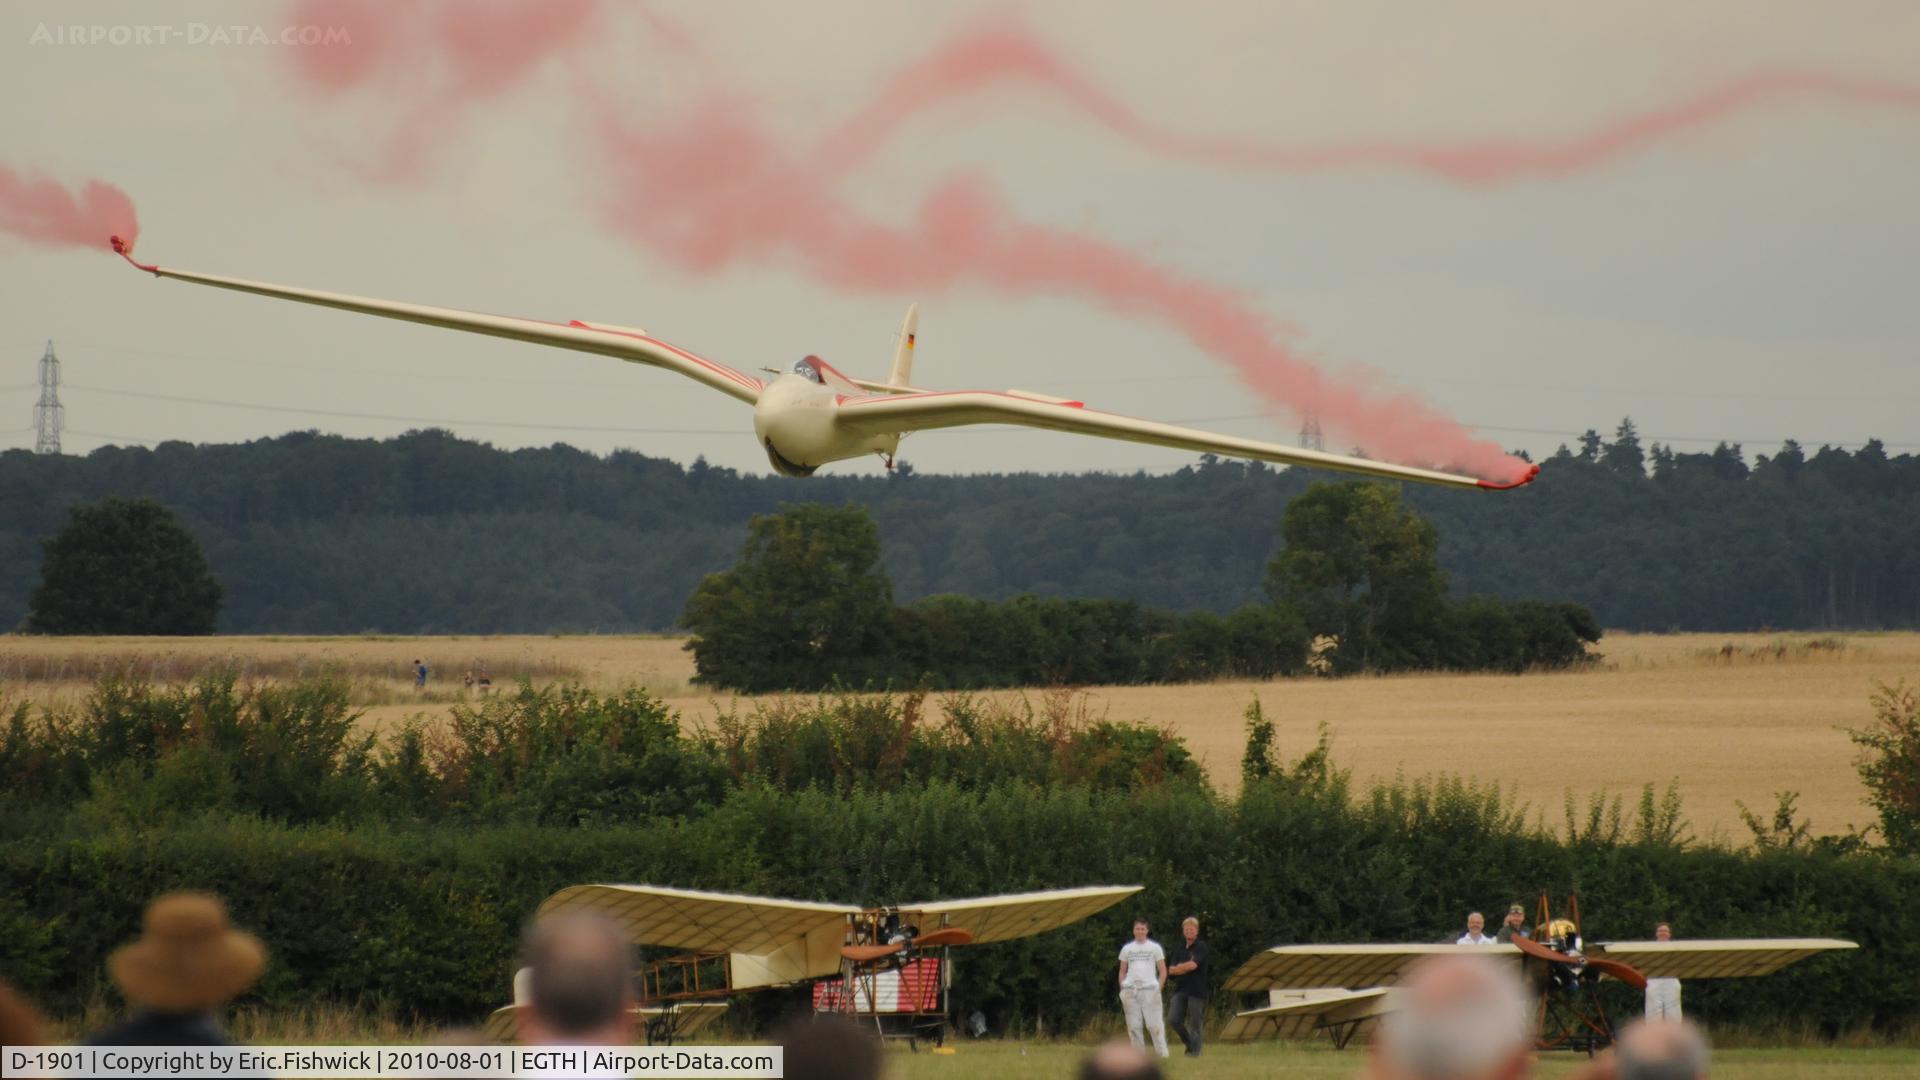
(1256, 762)
(805, 606)
(124, 567)
(1591, 445)
(1362, 568)
(1890, 764)
(1624, 455)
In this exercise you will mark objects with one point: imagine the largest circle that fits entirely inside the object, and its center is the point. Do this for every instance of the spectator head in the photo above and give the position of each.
(579, 981)
(1476, 922)
(1516, 915)
(828, 1046)
(1141, 929)
(1662, 932)
(20, 1023)
(1660, 1050)
(1190, 926)
(187, 958)
(1459, 1018)
(1119, 1060)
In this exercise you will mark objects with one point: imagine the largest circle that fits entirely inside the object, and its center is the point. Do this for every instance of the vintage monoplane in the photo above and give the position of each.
(1344, 990)
(890, 962)
(811, 414)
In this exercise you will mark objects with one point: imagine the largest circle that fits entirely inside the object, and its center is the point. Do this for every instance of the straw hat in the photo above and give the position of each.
(187, 957)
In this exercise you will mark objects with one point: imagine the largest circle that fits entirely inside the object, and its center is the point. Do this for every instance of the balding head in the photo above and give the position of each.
(828, 1046)
(1660, 1050)
(1119, 1060)
(579, 977)
(1459, 1018)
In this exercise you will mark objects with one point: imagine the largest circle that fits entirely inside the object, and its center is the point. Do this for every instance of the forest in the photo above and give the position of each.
(430, 533)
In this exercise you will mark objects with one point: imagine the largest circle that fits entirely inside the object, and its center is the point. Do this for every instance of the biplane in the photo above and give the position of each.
(1344, 990)
(889, 963)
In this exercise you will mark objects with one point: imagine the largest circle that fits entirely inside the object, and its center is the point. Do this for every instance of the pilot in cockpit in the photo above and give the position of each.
(805, 369)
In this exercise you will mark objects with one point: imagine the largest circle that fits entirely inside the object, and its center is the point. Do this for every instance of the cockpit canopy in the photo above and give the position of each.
(805, 369)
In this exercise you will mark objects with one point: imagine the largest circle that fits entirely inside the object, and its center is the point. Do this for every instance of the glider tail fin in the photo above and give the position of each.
(901, 373)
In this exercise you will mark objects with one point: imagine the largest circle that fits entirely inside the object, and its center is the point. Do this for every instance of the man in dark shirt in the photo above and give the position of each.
(1515, 926)
(1187, 978)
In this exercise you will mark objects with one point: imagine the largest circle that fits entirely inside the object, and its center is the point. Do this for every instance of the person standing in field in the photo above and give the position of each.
(1663, 995)
(1143, 973)
(1188, 1013)
(419, 675)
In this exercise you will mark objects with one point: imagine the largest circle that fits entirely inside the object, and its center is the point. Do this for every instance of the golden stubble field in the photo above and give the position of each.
(1729, 717)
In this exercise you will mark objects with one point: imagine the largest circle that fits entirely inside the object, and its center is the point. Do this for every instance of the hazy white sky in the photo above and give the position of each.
(1755, 279)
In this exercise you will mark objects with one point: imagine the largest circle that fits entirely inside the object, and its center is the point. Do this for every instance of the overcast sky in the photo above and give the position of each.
(1753, 279)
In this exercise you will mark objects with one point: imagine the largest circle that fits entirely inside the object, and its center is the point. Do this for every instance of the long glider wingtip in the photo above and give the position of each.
(125, 251)
(1509, 486)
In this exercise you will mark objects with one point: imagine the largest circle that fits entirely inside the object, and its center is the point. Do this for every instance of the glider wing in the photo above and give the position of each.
(884, 414)
(621, 343)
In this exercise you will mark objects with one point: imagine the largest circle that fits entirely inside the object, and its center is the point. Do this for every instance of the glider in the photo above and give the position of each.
(710, 945)
(811, 414)
(1344, 990)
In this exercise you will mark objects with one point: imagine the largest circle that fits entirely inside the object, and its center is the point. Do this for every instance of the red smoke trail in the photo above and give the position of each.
(443, 59)
(43, 212)
(1010, 54)
(712, 188)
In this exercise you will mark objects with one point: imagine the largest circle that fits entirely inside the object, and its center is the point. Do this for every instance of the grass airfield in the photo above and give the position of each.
(1730, 718)
(1055, 1059)
(1006, 1060)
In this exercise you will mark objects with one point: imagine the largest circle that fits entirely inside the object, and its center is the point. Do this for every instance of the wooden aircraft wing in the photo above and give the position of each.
(1303, 967)
(891, 413)
(1703, 958)
(1017, 915)
(703, 921)
(1293, 1014)
(503, 1024)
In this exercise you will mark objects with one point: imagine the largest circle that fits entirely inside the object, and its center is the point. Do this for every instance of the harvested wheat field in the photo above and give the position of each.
(1728, 717)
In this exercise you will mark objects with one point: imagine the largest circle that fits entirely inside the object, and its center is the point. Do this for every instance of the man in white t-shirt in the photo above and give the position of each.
(1476, 931)
(1663, 995)
(1143, 972)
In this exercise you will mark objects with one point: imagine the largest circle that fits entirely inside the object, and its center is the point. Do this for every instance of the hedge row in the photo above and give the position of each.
(134, 751)
(423, 920)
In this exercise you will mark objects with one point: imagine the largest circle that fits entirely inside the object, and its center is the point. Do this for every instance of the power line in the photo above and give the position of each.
(339, 369)
(115, 438)
(1576, 434)
(304, 411)
(606, 429)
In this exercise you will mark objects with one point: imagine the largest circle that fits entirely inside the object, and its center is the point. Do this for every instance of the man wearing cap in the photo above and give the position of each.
(186, 963)
(1515, 926)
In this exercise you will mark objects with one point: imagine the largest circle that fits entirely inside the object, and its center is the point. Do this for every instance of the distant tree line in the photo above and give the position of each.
(808, 606)
(427, 533)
